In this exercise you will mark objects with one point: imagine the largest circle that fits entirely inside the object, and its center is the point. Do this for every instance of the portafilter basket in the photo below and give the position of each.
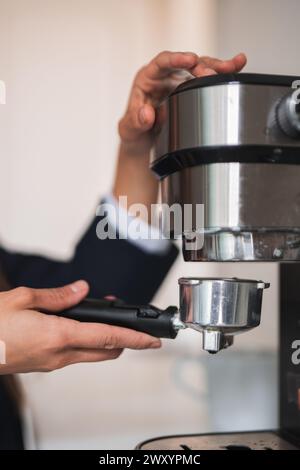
(220, 308)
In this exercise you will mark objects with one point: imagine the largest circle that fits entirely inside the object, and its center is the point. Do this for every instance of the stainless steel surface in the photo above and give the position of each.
(220, 308)
(246, 245)
(231, 441)
(239, 195)
(222, 115)
(251, 210)
(177, 323)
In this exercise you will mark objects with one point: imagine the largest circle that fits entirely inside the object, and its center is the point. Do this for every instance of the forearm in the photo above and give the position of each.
(133, 177)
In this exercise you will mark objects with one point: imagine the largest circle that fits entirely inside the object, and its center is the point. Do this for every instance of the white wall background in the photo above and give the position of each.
(68, 66)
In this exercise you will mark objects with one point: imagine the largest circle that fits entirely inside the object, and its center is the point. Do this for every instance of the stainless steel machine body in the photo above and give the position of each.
(251, 210)
(231, 143)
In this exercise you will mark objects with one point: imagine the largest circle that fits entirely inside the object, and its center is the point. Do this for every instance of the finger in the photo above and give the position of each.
(53, 300)
(77, 356)
(166, 62)
(146, 117)
(202, 70)
(101, 336)
(233, 65)
(240, 61)
(137, 121)
(220, 66)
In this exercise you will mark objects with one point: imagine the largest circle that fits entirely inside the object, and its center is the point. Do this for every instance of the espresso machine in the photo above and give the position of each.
(228, 145)
(231, 143)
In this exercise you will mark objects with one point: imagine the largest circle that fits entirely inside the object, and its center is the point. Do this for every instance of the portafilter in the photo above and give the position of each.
(218, 307)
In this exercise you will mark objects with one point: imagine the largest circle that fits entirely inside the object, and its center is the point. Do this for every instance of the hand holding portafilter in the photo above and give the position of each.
(219, 308)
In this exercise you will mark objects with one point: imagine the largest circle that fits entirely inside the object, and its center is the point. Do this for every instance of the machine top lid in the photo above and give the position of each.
(244, 78)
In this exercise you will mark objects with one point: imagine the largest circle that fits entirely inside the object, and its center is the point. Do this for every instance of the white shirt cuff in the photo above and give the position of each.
(120, 220)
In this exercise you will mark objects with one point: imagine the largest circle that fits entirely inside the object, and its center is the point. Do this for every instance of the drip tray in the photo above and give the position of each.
(231, 441)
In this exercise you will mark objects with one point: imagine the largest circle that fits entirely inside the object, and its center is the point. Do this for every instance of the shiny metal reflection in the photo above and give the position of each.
(220, 308)
(251, 211)
(228, 114)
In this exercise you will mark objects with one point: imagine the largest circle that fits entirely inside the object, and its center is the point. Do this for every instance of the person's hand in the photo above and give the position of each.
(152, 84)
(156, 80)
(32, 341)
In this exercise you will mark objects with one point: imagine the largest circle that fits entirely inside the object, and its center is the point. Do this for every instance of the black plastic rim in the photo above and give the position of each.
(244, 78)
(175, 161)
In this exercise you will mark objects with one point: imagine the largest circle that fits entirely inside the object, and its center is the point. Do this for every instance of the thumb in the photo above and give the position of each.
(53, 300)
(146, 117)
(136, 122)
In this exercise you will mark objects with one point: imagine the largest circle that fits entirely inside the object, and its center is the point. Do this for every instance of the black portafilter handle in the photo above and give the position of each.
(143, 318)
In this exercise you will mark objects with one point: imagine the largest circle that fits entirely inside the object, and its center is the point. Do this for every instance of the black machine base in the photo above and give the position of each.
(257, 440)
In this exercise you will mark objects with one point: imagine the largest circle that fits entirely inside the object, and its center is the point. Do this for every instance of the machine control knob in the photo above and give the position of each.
(288, 115)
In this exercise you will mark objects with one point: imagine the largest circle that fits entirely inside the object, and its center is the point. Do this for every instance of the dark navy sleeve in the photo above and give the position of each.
(110, 266)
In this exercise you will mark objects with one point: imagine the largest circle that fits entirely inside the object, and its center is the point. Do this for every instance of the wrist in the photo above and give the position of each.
(140, 148)
(134, 178)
